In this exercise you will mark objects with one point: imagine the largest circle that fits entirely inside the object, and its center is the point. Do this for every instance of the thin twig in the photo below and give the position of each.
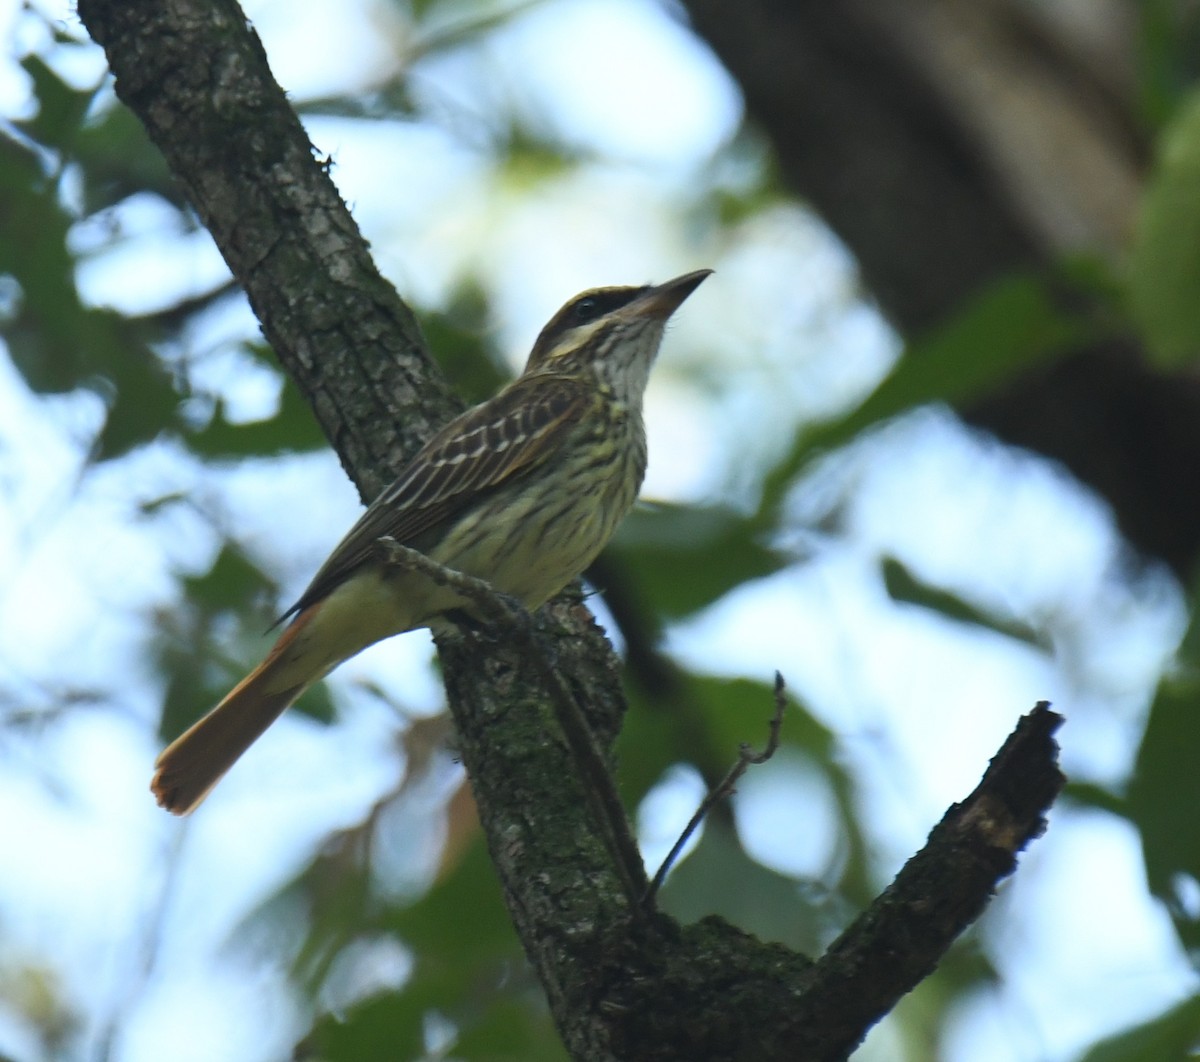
(495, 607)
(503, 609)
(725, 788)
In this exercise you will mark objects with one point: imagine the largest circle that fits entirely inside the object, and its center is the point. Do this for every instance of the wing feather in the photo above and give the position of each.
(484, 447)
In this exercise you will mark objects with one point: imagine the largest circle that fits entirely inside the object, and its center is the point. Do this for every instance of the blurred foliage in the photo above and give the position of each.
(686, 557)
(1163, 801)
(468, 967)
(1005, 330)
(1173, 1035)
(192, 642)
(719, 878)
(1164, 273)
(35, 993)
(56, 341)
(291, 428)
(457, 339)
(79, 157)
(903, 586)
(1169, 61)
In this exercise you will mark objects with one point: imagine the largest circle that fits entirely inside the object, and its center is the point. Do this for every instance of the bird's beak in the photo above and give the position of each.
(664, 299)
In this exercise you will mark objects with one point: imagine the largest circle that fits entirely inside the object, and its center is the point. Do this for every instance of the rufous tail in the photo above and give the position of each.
(194, 762)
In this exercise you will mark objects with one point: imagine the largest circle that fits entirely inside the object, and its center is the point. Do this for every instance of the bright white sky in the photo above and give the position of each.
(781, 339)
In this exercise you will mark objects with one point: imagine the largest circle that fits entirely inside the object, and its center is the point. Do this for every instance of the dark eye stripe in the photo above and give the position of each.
(581, 311)
(594, 304)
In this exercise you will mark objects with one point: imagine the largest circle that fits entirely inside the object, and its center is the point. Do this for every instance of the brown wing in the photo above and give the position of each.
(485, 446)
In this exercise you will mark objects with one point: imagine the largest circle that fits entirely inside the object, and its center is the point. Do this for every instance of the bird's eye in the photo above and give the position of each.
(585, 309)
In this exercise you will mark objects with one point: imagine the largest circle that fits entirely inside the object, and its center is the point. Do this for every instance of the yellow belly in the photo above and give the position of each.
(524, 540)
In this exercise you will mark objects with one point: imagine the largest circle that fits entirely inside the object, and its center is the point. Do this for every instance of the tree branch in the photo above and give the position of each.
(621, 983)
(196, 75)
(819, 1012)
(504, 613)
(940, 891)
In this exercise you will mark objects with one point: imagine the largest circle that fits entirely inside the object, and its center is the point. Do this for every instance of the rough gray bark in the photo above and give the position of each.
(247, 168)
(622, 981)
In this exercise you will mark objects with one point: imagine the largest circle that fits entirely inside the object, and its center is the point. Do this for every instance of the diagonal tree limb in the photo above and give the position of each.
(196, 75)
(502, 611)
(940, 891)
(618, 986)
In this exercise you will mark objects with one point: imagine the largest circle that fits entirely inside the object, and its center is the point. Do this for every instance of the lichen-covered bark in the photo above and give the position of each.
(197, 77)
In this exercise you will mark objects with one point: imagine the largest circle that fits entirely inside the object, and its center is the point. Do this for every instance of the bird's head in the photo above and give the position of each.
(612, 332)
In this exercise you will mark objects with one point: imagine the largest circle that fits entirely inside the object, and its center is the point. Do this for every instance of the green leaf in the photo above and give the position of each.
(465, 952)
(44, 336)
(188, 694)
(719, 878)
(185, 642)
(511, 1031)
(199, 673)
(118, 159)
(462, 920)
(456, 338)
(903, 586)
(1166, 38)
(685, 557)
(1164, 796)
(57, 343)
(1174, 1035)
(232, 582)
(702, 720)
(291, 429)
(390, 1028)
(1164, 281)
(60, 107)
(143, 400)
(1091, 795)
(705, 720)
(387, 1028)
(1009, 328)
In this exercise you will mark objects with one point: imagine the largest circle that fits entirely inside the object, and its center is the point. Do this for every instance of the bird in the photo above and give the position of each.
(521, 491)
